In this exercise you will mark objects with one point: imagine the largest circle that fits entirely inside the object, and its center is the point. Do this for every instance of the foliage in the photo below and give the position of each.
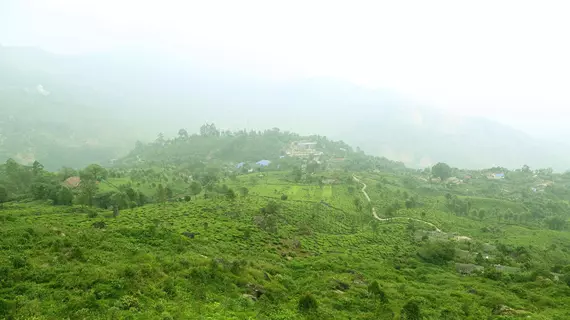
(437, 252)
(411, 311)
(374, 289)
(308, 303)
(441, 170)
(3, 194)
(475, 250)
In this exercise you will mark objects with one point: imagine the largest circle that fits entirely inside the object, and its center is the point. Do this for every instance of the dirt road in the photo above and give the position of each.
(392, 218)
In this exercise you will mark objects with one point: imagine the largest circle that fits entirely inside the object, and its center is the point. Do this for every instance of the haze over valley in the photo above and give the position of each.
(100, 104)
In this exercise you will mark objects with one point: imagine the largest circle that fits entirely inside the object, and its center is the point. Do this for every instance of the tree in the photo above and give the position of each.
(141, 199)
(139, 146)
(168, 192)
(183, 134)
(37, 168)
(94, 172)
(12, 169)
(18, 176)
(88, 188)
(441, 170)
(556, 223)
(3, 195)
(358, 204)
(195, 188)
(479, 259)
(209, 130)
(160, 139)
(437, 252)
(40, 190)
(410, 203)
(66, 172)
(64, 196)
(120, 200)
(243, 191)
(297, 174)
(411, 311)
(269, 218)
(272, 207)
(481, 214)
(160, 193)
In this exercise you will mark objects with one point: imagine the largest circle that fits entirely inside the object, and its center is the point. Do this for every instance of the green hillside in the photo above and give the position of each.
(193, 228)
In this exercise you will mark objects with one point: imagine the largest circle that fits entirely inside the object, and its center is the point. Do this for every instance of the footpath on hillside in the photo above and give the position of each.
(392, 218)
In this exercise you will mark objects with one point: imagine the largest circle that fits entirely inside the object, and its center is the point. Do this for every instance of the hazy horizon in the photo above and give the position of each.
(485, 60)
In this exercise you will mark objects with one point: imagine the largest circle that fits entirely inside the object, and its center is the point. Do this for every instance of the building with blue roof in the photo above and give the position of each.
(263, 163)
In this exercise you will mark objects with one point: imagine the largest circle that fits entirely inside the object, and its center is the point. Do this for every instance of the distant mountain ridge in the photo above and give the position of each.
(133, 95)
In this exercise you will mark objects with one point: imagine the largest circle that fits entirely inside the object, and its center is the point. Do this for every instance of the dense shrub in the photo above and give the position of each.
(437, 252)
(307, 303)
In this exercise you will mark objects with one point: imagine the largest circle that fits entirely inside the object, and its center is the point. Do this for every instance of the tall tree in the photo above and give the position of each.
(88, 189)
(195, 188)
(120, 200)
(37, 168)
(15, 173)
(64, 196)
(94, 172)
(441, 170)
(168, 192)
(209, 130)
(161, 194)
(160, 139)
(183, 134)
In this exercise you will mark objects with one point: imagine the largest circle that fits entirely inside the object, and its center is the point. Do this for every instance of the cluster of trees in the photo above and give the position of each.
(19, 182)
(456, 205)
(269, 217)
(437, 252)
(215, 145)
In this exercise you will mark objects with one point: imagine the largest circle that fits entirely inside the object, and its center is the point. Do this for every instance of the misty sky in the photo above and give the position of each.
(506, 60)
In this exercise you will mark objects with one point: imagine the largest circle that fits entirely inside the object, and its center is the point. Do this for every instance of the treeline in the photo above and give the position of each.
(22, 183)
(18, 182)
(212, 144)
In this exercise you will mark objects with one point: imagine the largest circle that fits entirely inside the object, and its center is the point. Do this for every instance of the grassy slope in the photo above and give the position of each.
(141, 266)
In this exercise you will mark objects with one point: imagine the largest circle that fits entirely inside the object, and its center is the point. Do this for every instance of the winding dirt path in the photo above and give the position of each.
(392, 218)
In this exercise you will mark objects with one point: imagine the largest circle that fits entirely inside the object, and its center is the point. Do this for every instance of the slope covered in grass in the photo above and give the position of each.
(231, 259)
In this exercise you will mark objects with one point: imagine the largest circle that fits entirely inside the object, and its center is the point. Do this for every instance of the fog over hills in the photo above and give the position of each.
(75, 109)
